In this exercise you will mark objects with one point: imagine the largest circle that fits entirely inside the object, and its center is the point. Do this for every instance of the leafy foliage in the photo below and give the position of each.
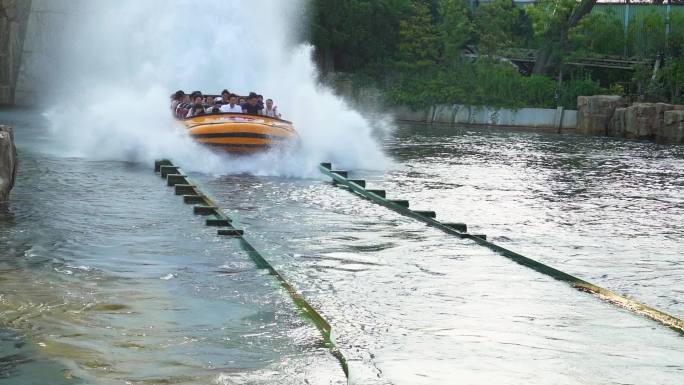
(548, 17)
(598, 33)
(418, 38)
(351, 35)
(646, 37)
(675, 42)
(412, 50)
(672, 81)
(579, 87)
(502, 24)
(456, 28)
(485, 83)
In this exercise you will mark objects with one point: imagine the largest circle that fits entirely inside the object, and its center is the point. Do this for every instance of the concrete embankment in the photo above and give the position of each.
(13, 20)
(611, 115)
(8, 161)
(458, 114)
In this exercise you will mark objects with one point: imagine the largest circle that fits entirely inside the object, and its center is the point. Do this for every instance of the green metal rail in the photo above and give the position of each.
(340, 178)
(207, 207)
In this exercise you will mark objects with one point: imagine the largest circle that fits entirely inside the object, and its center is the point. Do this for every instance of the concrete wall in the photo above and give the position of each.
(489, 116)
(13, 21)
(45, 34)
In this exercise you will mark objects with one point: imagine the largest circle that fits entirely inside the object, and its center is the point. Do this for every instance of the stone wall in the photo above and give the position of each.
(594, 113)
(609, 115)
(13, 21)
(672, 130)
(639, 121)
(8, 161)
(48, 29)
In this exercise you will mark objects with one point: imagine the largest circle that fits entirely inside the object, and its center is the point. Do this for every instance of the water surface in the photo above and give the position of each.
(107, 278)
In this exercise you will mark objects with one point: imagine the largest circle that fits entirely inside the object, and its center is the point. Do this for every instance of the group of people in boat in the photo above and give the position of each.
(196, 104)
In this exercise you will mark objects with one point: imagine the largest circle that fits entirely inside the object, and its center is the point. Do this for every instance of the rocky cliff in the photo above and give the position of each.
(610, 115)
(672, 130)
(8, 161)
(594, 113)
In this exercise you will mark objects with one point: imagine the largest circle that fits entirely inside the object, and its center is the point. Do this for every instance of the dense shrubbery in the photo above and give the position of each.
(411, 50)
(496, 85)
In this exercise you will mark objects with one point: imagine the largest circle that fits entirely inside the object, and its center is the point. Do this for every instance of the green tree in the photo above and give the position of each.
(501, 24)
(672, 79)
(553, 20)
(646, 36)
(418, 38)
(352, 35)
(598, 33)
(675, 43)
(456, 28)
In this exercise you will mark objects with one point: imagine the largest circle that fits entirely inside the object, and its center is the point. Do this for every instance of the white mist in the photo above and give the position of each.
(122, 59)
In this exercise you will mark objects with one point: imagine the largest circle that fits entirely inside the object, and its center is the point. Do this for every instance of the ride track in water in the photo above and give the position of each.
(193, 195)
(206, 206)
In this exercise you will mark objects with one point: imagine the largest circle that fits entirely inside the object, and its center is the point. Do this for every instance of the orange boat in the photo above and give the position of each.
(240, 133)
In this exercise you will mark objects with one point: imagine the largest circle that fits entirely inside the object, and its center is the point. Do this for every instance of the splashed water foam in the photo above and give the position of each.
(122, 59)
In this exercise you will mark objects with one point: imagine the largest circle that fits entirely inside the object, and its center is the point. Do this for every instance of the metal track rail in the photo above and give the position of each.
(358, 187)
(207, 207)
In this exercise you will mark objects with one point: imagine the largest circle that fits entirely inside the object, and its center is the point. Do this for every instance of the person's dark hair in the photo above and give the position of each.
(269, 100)
(179, 95)
(252, 95)
(225, 92)
(232, 96)
(260, 96)
(215, 110)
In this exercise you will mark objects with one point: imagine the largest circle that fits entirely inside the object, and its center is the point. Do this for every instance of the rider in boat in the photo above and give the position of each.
(252, 105)
(186, 105)
(232, 105)
(270, 110)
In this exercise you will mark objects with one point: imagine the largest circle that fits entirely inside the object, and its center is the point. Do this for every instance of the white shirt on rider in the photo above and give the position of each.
(273, 113)
(234, 109)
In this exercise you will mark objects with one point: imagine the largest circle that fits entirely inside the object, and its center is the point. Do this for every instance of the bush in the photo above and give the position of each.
(491, 84)
(583, 87)
(598, 33)
(646, 36)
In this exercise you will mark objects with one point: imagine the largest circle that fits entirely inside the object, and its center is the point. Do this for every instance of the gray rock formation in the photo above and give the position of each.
(616, 124)
(661, 122)
(595, 112)
(8, 161)
(672, 130)
(643, 120)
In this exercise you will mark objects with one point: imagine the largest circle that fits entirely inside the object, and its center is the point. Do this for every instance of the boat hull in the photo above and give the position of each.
(240, 133)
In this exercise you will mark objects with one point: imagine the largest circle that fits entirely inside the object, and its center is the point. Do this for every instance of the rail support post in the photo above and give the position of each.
(166, 170)
(161, 162)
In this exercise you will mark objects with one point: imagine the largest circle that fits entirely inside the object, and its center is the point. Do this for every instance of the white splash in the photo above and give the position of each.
(122, 59)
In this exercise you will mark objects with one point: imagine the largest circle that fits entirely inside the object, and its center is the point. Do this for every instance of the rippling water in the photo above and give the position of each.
(106, 277)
